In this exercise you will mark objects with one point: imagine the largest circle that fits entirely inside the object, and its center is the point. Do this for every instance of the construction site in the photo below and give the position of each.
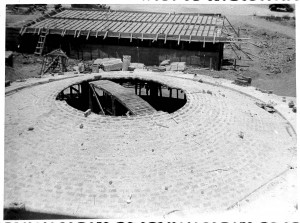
(117, 112)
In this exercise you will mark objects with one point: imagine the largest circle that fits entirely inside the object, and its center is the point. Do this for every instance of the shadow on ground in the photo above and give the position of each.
(10, 214)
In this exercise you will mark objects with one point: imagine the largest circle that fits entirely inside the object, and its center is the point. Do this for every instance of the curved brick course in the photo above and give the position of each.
(116, 167)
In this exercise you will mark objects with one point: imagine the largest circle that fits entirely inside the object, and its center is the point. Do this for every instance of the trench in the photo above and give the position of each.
(123, 97)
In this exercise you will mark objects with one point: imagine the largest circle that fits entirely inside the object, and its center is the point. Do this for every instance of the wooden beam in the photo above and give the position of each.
(204, 42)
(131, 37)
(75, 33)
(165, 39)
(97, 100)
(190, 39)
(87, 36)
(119, 35)
(142, 36)
(178, 40)
(105, 35)
(78, 33)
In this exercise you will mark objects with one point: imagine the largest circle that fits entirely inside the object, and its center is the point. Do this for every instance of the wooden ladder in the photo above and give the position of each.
(41, 42)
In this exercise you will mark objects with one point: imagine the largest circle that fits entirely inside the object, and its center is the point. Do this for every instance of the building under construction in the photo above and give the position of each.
(197, 39)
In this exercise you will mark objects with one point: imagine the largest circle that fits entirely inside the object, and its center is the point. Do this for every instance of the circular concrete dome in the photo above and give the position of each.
(208, 155)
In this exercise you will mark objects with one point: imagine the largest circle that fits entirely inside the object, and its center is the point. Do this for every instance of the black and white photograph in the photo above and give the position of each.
(149, 110)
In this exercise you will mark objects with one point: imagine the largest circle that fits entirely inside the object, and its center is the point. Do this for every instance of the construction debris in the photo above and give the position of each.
(109, 64)
(243, 81)
(268, 107)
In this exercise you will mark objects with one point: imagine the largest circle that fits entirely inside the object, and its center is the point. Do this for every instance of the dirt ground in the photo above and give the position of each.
(272, 46)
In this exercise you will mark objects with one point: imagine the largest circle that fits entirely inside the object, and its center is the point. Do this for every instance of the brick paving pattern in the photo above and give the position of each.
(192, 160)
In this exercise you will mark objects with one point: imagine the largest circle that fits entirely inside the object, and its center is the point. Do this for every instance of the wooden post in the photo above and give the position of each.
(135, 86)
(210, 63)
(71, 92)
(177, 93)
(170, 89)
(140, 89)
(113, 105)
(160, 91)
(234, 64)
(90, 99)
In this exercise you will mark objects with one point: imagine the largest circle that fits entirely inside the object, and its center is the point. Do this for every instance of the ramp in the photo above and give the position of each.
(125, 96)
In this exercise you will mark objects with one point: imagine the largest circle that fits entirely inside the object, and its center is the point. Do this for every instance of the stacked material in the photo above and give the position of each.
(178, 66)
(109, 64)
(137, 66)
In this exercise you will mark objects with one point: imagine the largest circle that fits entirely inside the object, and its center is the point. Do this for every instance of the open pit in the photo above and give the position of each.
(207, 154)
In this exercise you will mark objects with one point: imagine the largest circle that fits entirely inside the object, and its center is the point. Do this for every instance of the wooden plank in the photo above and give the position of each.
(190, 29)
(205, 31)
(156, 17)
(139, 30)
(178, 30)
(74, 25)
(140, 17)
(214, 20)
(41, 24)
(71, 14)
(153, 27)
(84, 25)
(175, 18)
(185, 18)
(111, 25)
(119, 26)
(61, 14)
(179, 20)
(92, 26)
(130, 27)
(138, 25)
(100, 26)
(195, 30)
(168, 28)
(200, 31)
(184, 29)
(211, 31)
(195, 19)
(161, 17)
(165, 19)
(126, 18)
(123, 16)
(163, 28)
(92, 15)
(125, 96)
(146, 17)
(115, 15)
(204, 20)
(190, 19)
(172, 31)
(125, 26)
(209, 19)
(63, 23)
(148, 25)
(113, 28)
(157, 28)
